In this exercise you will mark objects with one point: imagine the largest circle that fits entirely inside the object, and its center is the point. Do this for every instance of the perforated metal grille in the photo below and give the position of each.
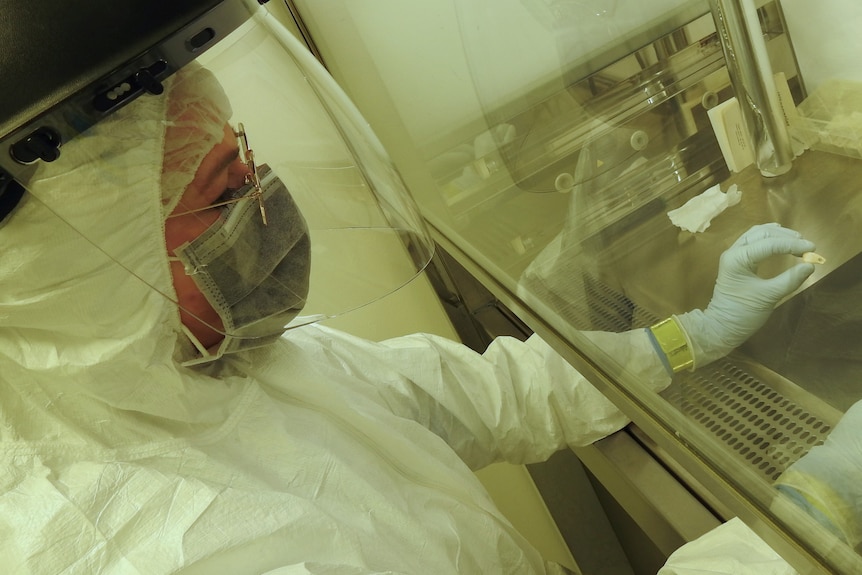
(766, 429)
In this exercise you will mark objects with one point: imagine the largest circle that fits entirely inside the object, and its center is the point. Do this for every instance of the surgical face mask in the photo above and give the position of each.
(253, 270)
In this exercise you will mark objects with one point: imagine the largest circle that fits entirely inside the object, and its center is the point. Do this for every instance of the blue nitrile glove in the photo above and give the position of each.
(825, 481)
(742, 302)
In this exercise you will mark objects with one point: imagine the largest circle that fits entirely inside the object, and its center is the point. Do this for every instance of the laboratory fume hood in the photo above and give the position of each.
(546, 142)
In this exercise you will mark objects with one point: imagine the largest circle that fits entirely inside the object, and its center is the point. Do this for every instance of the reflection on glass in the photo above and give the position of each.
(602, 160)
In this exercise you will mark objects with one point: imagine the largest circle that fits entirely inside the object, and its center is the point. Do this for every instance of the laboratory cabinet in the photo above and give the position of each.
(546, 142)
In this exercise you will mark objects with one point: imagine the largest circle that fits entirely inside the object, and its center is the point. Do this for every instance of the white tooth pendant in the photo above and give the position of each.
(813, 258)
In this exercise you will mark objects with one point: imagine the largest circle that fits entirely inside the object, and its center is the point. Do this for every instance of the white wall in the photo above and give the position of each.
(827, 39)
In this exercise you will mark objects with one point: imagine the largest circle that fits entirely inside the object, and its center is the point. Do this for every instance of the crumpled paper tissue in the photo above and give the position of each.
(696, 214)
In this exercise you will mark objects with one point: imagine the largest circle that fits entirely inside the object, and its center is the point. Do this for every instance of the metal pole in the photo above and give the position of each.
(751, 74)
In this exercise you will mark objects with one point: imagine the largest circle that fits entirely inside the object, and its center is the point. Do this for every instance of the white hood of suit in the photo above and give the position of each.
(76, 325)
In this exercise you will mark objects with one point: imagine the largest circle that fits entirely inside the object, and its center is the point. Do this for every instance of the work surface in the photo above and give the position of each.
(815, 337)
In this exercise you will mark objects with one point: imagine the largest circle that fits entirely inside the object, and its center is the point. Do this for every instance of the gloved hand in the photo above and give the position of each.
(825, 481)
(742, 302)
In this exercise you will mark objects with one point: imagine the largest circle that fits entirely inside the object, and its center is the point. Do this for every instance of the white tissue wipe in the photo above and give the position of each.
(697, 214)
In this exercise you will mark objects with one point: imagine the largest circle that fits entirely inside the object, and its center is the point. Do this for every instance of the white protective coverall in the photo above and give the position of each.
(322, 454)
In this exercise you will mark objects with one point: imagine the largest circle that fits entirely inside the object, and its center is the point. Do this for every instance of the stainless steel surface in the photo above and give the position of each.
(820, 198)
(665, 510)
(814, 338)
(751, 72)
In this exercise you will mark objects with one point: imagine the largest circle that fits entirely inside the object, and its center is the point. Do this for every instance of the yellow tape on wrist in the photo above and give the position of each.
(836, 510)
(674, 344)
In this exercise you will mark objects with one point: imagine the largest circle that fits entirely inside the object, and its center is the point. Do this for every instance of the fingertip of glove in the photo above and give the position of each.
(809, 246)
(797, 246)
(802, 271)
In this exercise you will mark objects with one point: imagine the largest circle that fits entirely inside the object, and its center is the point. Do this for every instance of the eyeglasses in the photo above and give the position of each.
(246, 156)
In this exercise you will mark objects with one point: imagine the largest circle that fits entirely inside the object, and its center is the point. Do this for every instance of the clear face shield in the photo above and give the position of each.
(274, 204)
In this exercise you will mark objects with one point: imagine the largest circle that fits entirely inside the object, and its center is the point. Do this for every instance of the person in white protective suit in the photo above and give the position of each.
(319, 453)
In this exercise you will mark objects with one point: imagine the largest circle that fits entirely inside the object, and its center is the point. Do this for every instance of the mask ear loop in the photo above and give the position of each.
(206, 355)
(195, 341)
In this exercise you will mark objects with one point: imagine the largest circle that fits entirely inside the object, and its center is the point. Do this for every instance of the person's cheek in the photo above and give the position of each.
(185, 228)
(201, 195)
(217, 188)
(196, 313)
(237, 174)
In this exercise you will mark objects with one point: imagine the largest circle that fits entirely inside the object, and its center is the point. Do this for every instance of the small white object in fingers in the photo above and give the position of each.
(813, 258)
